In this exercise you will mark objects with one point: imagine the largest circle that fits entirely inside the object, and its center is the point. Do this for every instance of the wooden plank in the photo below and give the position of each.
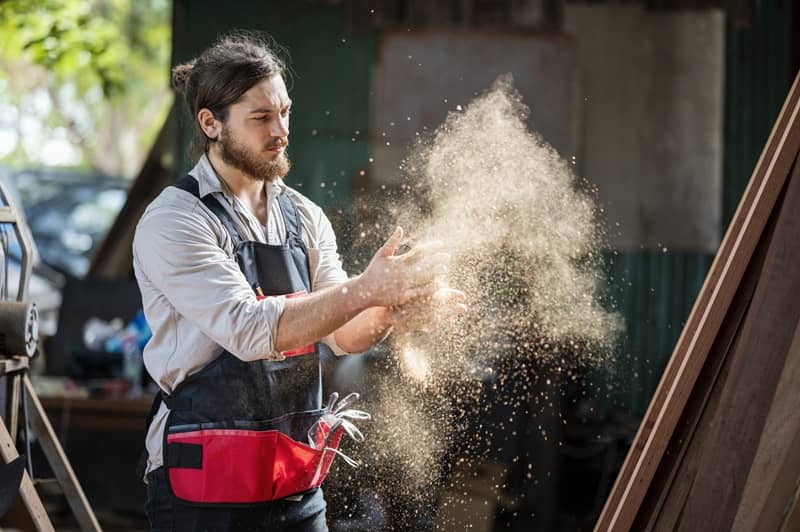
(669, 376)
(653, 510)
(772, 478)
(58, 461)
(705, 318)
(791, 521)
(747, 390)
(30, 498)
(672, 494)
(13, 365)
(12, 415)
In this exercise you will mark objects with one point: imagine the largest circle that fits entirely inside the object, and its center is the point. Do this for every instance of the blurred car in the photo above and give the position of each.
(68, 213)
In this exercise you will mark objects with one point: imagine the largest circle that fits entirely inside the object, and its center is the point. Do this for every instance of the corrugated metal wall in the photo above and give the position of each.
(759, 74)
(655, 291)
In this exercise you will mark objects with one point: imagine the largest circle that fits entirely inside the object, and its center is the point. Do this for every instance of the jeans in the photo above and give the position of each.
(168, 514)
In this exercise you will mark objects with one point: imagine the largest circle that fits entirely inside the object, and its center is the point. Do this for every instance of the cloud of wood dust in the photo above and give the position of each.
(524, 239)
(525, 247)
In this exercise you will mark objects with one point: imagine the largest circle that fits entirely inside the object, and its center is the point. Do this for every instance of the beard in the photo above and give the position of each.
(257, 166)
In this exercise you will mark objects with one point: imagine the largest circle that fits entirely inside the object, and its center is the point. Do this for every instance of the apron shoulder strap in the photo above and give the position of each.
(288, 208)
(190, 185)
(290, 216)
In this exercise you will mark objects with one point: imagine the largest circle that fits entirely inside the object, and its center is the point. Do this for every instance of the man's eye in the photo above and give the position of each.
(286, 112)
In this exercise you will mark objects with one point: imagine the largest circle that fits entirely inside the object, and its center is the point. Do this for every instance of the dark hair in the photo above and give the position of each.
(219, 76)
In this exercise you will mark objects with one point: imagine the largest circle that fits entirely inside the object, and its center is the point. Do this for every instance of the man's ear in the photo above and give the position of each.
(208, 123)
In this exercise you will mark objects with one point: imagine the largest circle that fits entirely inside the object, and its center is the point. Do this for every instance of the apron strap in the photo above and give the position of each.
(290, 217)
(288, 208)
(190, 185)
(173, 403)
(141, 465)
(178, 403)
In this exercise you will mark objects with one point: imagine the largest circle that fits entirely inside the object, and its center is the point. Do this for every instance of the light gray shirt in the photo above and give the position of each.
(195, 297)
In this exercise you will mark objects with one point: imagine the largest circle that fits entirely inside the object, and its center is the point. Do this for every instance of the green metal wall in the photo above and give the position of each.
(759, 75)
(655, 291)
(330, 88)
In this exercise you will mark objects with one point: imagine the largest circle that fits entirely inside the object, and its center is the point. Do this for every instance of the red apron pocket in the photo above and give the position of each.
(236, 466)
(294, 467)
(243, 466)
(299, 467)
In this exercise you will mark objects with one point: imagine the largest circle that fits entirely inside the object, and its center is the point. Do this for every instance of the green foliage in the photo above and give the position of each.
(103, 63)
(90, 43)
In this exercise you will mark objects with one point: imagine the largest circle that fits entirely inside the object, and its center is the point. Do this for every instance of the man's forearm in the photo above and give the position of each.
(388, 281)
(365, 330)
(307, 319)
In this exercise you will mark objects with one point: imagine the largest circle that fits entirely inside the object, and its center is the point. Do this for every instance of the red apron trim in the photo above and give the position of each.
(305, 350)
(299, 351)
(244, 466)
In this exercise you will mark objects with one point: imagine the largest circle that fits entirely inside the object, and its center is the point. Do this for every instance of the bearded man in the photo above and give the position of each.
(243, 289)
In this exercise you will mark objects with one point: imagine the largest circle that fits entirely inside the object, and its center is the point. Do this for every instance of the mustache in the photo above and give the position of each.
(280, 143)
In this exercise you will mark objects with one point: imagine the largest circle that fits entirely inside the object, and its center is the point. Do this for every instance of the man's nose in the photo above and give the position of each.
(280, 128)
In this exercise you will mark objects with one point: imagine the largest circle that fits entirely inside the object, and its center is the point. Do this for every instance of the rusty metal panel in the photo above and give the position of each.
(651, 114)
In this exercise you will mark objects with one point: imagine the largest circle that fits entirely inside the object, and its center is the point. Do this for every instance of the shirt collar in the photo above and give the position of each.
(209, 181)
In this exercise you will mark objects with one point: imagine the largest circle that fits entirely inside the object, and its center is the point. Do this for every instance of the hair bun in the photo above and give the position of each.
(180, 74)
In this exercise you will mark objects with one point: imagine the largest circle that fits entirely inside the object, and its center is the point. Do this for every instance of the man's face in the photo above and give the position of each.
(256, 133)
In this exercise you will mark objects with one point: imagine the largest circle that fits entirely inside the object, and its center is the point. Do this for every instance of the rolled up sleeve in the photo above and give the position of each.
(184, 260)
(329, 271)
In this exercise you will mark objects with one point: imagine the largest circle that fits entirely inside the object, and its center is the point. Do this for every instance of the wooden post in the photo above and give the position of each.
(58, 461)
(31, 500)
